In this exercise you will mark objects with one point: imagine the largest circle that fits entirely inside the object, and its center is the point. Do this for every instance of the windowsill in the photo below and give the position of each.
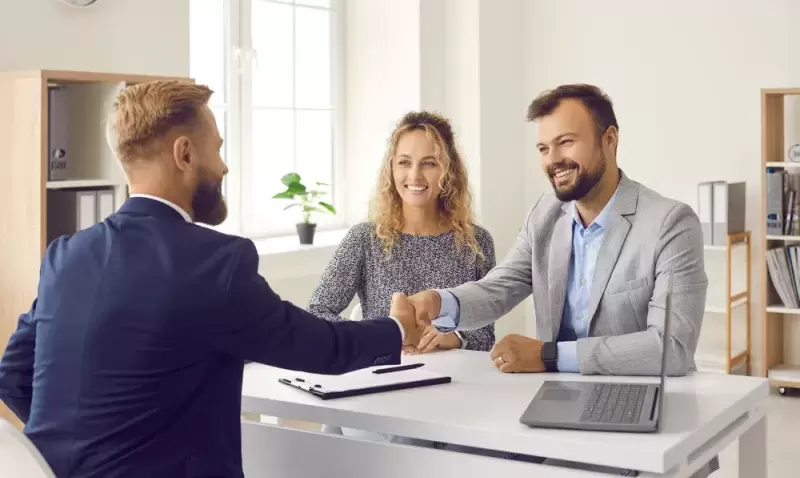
(291, 244)
(285, 259)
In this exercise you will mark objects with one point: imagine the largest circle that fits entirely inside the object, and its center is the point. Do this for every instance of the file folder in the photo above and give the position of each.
(105, 204)
(705, 203)
(774, 193)
(728, 216)
(70, 211)
(363, 382)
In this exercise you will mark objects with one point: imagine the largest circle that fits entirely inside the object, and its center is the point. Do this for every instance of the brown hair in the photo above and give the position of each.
(146, 112)
(455, 201)
(592, 97)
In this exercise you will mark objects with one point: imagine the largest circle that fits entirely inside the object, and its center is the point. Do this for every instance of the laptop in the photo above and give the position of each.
(602, 406)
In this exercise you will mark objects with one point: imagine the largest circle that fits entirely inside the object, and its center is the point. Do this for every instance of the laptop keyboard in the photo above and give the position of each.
(614, 403)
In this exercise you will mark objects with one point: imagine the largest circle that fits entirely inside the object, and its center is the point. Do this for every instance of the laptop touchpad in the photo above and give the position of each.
(561, 394)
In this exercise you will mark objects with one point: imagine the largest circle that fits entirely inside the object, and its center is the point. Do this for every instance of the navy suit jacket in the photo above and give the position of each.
(129, 362)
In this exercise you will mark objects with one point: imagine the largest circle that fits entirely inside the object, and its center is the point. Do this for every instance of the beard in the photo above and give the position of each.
(208, 204)
(585, 181)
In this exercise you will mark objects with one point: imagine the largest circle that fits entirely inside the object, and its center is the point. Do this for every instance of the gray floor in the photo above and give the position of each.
(783, 440)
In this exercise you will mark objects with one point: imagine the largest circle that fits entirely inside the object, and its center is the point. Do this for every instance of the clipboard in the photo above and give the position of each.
(363, 382)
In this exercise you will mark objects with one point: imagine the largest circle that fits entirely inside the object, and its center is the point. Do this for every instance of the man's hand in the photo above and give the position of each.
(433, 339)
(428, 305)
(403, 311)
(515, 353)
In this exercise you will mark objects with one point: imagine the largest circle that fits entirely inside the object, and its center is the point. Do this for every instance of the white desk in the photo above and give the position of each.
(481, 408)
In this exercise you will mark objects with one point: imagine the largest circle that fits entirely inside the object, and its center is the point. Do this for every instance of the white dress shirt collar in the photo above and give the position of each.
(171, 204)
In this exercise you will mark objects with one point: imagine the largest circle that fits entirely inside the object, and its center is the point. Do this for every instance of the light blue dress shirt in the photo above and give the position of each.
(586, 242)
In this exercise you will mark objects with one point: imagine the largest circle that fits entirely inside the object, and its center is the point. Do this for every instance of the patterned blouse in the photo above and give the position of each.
(361, 267)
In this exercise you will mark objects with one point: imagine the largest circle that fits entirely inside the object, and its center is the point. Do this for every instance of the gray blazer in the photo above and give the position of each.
(648, 237)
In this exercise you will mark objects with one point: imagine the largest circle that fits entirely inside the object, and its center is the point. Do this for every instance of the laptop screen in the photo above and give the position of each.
(664, 345)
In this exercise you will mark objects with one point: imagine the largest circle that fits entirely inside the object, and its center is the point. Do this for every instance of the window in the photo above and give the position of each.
(274, 67)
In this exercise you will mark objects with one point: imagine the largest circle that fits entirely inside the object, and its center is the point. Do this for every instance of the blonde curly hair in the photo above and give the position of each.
(455, 200)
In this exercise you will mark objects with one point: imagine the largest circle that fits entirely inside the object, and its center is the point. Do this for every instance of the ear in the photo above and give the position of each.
(611, 138)
(182, 153)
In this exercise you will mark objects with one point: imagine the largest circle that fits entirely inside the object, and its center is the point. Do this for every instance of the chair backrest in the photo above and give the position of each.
(18, 456)
(357, 313)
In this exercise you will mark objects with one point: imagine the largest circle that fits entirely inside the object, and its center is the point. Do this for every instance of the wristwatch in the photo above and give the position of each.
(550, 356)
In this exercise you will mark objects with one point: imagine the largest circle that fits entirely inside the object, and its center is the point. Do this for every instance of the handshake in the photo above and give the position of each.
(415, 314)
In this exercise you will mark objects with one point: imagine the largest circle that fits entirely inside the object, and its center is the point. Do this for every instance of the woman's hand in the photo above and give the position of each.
(433, 339)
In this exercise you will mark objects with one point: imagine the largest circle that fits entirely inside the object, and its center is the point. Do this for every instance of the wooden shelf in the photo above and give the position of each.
(723, 310)
(784, 375)
(25, 115)
(774, 146)
(784, 238)
(779, 309)
(719, 353)
(83, 183)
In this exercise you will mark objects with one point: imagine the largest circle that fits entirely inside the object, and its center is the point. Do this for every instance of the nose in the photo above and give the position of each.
(224, 169)
(416, 171)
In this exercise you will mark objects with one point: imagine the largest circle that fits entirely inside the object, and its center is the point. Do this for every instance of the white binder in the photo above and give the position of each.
(105, 204)
(705, 203)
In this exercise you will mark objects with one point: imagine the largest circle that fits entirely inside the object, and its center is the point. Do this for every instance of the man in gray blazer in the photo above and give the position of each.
(596, 255)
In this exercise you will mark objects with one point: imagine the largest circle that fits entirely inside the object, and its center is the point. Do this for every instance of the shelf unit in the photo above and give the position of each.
(727, 357)
(778, 363)
(24, 120)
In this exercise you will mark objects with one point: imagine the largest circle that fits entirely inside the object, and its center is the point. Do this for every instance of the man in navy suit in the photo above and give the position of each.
(129, 362)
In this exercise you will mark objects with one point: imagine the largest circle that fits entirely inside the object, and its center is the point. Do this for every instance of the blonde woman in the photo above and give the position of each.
(421, 234)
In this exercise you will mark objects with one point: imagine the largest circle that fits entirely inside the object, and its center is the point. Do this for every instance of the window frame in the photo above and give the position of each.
(239, 60)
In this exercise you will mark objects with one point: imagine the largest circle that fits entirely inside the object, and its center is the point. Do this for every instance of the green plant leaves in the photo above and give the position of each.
(329, 207)
(306, 198)
(291, 178)
(284, 195)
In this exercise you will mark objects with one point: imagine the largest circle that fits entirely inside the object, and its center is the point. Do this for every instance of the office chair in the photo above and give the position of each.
(18, 456)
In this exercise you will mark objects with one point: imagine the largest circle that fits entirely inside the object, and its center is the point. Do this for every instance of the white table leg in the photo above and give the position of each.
(753, 450)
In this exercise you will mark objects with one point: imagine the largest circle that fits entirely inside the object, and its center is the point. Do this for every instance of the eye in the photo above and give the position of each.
(542, 150)
(403, 162)
(566, 141)
(429, 163)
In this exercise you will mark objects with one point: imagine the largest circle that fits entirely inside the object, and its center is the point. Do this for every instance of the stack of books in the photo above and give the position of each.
(782, 263)
(783, 202)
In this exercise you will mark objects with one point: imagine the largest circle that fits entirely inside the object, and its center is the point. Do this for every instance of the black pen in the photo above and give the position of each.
(398, 369)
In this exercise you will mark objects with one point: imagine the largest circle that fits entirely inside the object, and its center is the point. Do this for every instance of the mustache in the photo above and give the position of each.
(563, 164)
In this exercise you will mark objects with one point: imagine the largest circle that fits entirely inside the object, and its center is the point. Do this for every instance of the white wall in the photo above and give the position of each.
(382, 79)
(119, 36)
(685, 78)
(472, 73)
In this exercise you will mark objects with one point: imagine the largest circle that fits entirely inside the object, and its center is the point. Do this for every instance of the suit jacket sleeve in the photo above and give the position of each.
(259, 326)
(503, 288)
(680, 253)
(16, 367)
(482, 338)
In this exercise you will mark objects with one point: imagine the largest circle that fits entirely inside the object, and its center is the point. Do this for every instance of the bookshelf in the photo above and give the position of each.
(781, 362)
(24, 153)
(729, 350)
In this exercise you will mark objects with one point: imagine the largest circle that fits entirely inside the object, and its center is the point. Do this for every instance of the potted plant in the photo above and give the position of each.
(308, 200)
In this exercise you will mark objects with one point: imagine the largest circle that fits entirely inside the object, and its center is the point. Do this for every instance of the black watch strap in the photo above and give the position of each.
(550, 356)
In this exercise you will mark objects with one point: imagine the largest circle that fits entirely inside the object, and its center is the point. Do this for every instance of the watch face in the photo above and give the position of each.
(549, 351)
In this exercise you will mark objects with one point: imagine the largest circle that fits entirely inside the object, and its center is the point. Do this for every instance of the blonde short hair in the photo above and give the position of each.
(146, 112)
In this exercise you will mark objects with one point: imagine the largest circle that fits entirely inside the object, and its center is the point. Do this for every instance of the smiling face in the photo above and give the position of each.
(416, 171)
(573, 157)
